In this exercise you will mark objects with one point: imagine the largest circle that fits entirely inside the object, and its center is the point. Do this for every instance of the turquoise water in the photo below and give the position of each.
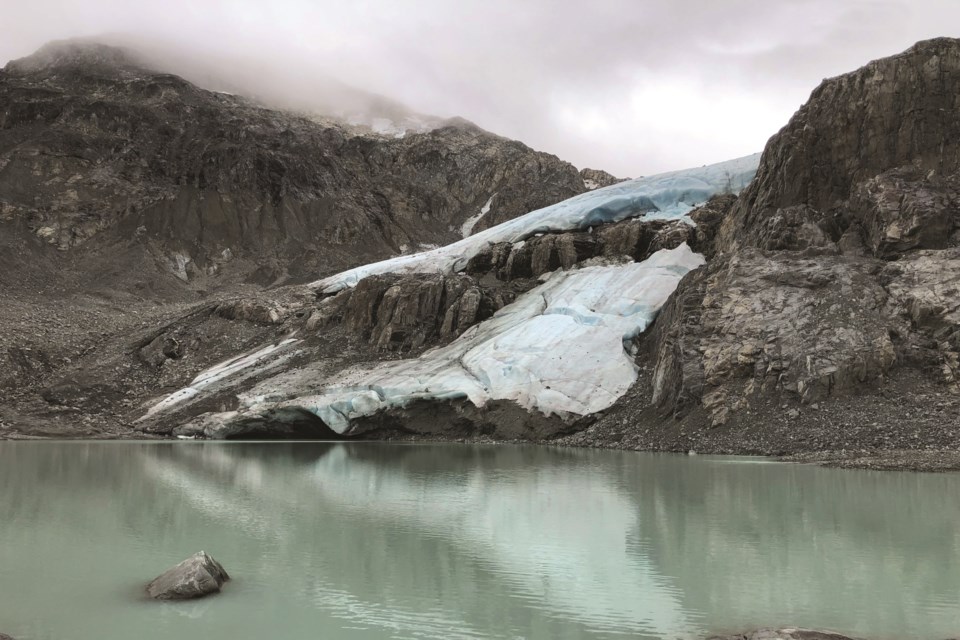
(334, 540)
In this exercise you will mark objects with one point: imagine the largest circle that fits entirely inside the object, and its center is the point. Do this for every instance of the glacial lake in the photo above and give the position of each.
(366, 540)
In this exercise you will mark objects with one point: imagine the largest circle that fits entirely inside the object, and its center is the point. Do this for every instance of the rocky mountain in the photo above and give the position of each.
(825, 322)
(829, 317)
(128, 195)
(98, 147)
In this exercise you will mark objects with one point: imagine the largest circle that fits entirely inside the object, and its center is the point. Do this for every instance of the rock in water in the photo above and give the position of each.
(783, 634)
(195, 577)
(4, 636)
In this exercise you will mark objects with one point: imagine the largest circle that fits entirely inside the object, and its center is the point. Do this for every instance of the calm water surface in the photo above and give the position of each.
(330, 540)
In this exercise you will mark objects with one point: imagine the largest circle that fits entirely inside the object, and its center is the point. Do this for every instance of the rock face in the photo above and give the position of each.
(197, 576)
(634, 238)
(838, 266)
(405, 312)
(94, 145)
(597, 178)
(874, 147)
(399, 313)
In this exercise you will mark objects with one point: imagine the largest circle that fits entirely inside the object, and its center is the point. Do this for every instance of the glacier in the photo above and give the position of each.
(561, 349)
(675, 194)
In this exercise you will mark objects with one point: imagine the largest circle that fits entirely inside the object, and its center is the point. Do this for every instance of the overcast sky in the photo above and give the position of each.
(631, 86)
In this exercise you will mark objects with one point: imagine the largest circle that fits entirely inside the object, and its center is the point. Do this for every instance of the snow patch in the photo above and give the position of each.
(467, 228)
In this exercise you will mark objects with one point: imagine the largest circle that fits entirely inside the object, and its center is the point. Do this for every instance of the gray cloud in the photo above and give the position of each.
(632, 86)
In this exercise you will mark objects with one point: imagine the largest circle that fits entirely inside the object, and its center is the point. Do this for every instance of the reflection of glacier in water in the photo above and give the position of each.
(549, 552)
(438, 541)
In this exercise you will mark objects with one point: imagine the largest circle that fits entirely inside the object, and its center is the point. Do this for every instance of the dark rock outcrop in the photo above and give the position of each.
(252, 310)
(406, 312)
(597, 178)
(878, 147)
(635, 238)
(839, 263)
(400, 313)
(197, 576)
(708, 219)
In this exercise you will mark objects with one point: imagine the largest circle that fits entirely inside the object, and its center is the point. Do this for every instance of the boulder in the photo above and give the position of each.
(597, 178)
(162, 348)
(197, 576)
(256, 311)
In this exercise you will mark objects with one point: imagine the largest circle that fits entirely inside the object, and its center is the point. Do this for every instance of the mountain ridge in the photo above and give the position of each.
(90, 140)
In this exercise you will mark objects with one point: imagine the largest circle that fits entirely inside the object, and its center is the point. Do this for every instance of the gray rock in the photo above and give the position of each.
(783, 634)
(597, 178)
(252, 310)
(635, 238)
(161, 349)
(400, 313)
(4, 636)
(197, 576)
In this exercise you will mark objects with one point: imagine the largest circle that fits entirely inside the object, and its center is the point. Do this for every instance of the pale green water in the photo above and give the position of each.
(423, 541)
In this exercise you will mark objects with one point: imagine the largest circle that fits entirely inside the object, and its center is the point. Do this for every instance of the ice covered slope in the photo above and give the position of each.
(674, 194)
(220, 372)
(558, 349)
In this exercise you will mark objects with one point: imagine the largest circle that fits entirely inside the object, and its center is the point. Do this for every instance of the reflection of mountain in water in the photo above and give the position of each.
(443, 541)
(868, 553)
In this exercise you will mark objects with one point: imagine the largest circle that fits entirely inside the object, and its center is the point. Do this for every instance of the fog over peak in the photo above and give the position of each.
(630, 86)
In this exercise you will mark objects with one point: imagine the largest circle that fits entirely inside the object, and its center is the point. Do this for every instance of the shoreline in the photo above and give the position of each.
(920, 461)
